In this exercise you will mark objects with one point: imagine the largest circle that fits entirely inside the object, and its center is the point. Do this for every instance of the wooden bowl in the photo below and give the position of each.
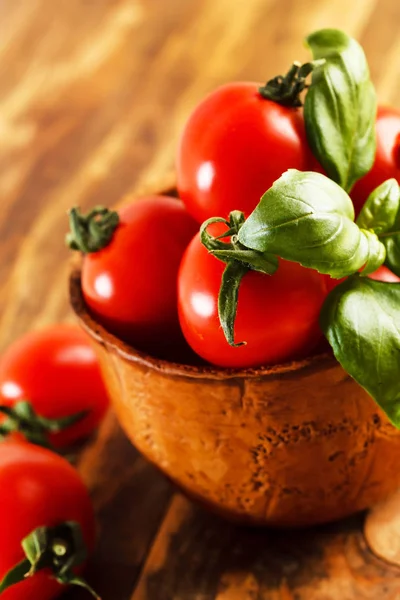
(289, 446)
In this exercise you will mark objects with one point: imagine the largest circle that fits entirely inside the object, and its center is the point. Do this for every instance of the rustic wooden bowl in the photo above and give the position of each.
(291, 445)
(288, 446)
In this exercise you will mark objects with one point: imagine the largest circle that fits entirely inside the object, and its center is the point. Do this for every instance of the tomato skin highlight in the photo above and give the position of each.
(234, 146)
(277, 314)
(56, 369)
(38, 488)
(130, 285)
(387, 158)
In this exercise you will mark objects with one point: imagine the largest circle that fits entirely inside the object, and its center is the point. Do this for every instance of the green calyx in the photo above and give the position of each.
(22, 418)
(239, 260)
(286, 89)
(93, 231)
(60, 549)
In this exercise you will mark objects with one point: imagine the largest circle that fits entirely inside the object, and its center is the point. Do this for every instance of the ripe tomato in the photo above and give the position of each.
(38, 488)
(130, 285)
(56, 369)
(277, 314)
(387, 158)
(234, 146)
(384, 274)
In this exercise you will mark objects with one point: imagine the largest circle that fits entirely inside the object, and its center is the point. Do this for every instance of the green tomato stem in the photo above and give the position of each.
(60, 549)
(239, 260)
(93, 231)
(22, 418)
(286, 90)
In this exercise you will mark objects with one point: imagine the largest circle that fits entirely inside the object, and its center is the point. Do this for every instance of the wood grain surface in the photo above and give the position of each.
(93, 94)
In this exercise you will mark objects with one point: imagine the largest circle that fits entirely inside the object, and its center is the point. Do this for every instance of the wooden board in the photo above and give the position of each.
(156, 545)
(93, 94)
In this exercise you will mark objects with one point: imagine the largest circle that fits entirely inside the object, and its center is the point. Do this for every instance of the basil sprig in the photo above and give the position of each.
(340, 108)
(361, 320)
(303, 217)
(392, 245)
(309, 219)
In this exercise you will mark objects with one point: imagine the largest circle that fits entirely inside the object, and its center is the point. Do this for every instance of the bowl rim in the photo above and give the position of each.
(101, 335)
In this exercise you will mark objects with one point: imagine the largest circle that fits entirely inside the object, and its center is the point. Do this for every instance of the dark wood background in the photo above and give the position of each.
(93, 95)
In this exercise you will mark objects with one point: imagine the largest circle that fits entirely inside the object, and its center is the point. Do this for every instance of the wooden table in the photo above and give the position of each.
(93, 96)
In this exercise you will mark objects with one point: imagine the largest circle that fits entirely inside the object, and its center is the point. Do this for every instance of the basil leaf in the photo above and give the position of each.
(308, 218)
(340, 108)
(376, 253)
(361, 320)
(390, 238)
(380, 210)
(392, 245)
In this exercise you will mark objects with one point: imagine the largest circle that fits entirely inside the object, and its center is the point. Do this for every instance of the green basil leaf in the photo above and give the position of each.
(390, 237)
(308, 218)
(380, 210)
(376, 253)
(361, 320)
(340, 108)
(392, 245)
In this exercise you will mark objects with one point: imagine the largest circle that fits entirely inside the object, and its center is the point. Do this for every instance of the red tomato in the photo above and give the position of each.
(277, 314)
(57, 370)
(130, 285)
(384, 274)
(387, 158)
(38, 488)
(381, 274)
(233, 147)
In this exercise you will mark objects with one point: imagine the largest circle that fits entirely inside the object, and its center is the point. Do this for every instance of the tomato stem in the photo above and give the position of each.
(93, 231)
(239, 260)
(22, 418)
(226, 251)
(60, 549)
(286, 89)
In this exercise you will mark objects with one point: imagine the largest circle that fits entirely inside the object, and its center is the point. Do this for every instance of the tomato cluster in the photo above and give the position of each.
(149, 277)
(51, 394)
(153, 279)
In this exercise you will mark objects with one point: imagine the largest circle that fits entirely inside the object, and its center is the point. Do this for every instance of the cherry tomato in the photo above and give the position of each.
(130, 285)
(56, 369)
(277, 314)
(384, 274)
(381, 274)
(38, 488)
(387, 158)
(234, 146)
